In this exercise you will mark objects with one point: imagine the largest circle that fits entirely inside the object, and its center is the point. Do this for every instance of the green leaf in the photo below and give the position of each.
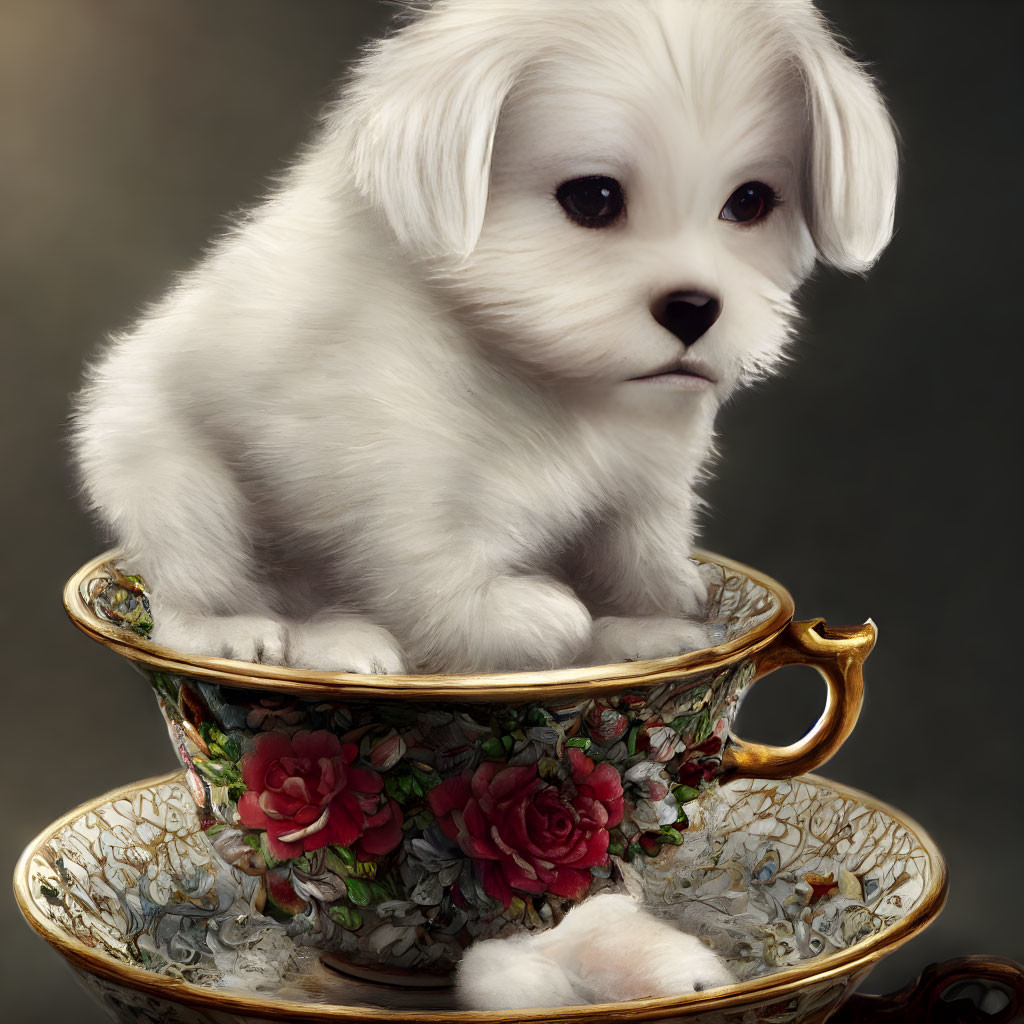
(209, 770)
(703, 727)
(346, 916)
(219, 742)
(492, 749)
(169, 692)
(142, 626)
(252, 840)
(631, 740)
(423, 820)
(669, 836)
(344, 854)
(427, 780)
(359, 892)
(685, 793)
(392, 886)
(378, 893)
(682, 722)
(335, 863)
(579, 741)
(271, 860)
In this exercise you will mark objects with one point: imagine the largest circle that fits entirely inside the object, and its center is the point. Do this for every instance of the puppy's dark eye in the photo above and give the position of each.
(751, 202)
(593, 202)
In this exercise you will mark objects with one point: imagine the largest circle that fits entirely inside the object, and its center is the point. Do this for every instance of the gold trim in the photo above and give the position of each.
(491, 687)
(838, 653)
(781, 985)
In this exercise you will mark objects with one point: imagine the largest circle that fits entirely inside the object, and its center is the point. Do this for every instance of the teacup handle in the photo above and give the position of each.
(838, 653)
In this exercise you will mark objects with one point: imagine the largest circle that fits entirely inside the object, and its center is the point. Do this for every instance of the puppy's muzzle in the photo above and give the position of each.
(688, 315)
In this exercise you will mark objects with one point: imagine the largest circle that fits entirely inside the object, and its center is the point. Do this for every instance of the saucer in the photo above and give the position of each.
(803, 885)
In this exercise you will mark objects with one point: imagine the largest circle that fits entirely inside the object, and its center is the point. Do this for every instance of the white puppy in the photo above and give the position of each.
(440, 403)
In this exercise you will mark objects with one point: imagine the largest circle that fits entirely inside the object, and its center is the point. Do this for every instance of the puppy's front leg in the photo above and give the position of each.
(637, 574)
(342, 641)
(496, 623)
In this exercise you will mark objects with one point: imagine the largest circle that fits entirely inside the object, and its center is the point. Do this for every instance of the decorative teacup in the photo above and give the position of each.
(392, 820)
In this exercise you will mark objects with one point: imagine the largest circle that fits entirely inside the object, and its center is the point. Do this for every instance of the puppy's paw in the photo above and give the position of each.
(511, 974)
(613, 948)
(515, 623)
(606, 949)
(680, 964)
(637, 638)
(345, 643)
(253, 638)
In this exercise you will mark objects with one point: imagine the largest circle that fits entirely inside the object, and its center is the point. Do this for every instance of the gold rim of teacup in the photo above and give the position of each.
(844, 963)
(490, 687)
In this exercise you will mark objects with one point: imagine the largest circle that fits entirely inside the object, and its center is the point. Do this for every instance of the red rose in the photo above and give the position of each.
(698, 763)
(305, 793)
(527, 834)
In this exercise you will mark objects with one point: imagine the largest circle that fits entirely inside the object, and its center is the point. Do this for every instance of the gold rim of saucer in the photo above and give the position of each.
(488, 687)
(778, 986)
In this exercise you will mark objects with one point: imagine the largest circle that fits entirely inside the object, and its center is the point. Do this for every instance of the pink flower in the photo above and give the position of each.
(305, 793)
(387, 752)
(660, 741)
(529, 835)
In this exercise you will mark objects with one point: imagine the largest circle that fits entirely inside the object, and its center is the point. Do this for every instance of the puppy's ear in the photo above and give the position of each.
(418, 119)
(852, 160)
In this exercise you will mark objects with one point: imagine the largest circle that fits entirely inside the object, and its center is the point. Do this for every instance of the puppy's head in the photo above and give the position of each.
(623, 195)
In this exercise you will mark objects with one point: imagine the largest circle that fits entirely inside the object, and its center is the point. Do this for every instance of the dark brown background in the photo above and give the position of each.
(878, 476)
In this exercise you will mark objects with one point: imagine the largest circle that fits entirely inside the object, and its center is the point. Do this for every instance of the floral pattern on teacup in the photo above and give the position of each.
(450, 822)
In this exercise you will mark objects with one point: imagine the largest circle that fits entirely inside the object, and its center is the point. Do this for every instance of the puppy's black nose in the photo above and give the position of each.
(687, 314)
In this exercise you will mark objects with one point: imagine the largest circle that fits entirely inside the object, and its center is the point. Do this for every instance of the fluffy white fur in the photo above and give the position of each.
(605, 950)
(387, 423)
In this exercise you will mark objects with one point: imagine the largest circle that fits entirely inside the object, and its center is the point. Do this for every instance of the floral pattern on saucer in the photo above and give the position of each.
(776, 874)
(773, 875)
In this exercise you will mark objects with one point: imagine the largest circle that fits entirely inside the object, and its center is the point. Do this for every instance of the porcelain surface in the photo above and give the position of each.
(801, 885)
(395, 831)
